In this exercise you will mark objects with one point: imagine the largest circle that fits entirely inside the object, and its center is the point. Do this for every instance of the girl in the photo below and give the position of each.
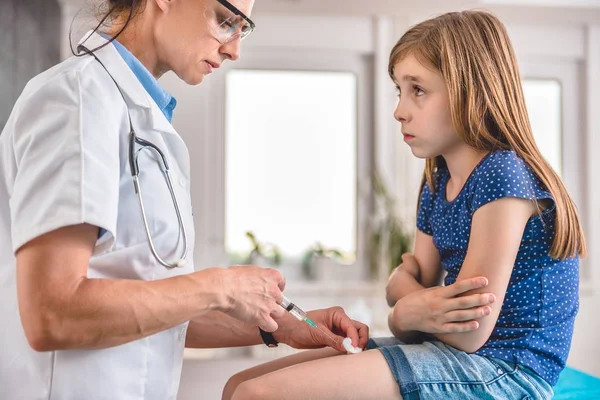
(490, 206)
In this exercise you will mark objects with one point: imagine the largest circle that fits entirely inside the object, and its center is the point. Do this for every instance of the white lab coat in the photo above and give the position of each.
(64, 161)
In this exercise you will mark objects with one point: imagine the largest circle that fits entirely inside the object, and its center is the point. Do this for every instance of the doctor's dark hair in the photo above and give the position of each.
(109, 11)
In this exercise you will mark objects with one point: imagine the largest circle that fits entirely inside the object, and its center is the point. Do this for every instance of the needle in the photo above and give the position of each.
(311, 323)
(301, 316)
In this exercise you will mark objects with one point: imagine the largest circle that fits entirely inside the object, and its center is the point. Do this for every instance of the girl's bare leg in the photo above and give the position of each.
(274, 365)
(364, 376)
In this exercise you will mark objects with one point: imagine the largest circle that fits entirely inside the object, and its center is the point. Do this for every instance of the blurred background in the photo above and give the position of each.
(298, 163)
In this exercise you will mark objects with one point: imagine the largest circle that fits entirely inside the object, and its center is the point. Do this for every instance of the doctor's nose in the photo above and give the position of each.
(231, 50)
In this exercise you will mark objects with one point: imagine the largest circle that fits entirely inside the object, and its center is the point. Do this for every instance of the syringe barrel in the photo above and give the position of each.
(293, 309)
(285, 302)
(298, 313)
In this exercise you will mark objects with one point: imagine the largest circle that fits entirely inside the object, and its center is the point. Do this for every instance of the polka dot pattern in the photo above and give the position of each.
(536, 321)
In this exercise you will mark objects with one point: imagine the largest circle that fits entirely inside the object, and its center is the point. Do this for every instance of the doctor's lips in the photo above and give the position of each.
(212, 65)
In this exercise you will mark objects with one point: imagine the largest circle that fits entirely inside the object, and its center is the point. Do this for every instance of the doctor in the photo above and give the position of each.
(99, 298)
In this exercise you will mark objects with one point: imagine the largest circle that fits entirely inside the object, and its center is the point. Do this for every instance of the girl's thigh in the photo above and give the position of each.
(275, 365)
(363, 376)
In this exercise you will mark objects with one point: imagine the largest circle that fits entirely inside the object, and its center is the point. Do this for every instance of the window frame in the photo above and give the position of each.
(568, 73)
(286, 60)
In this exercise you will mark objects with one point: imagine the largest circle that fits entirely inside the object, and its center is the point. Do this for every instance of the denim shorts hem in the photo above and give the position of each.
(409, 389)
(433, 370)
(405, 379)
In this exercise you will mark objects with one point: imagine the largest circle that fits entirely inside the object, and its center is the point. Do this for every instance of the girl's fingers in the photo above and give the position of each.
(459, 327)
(471, 301)
(463, 286)
(468, 315)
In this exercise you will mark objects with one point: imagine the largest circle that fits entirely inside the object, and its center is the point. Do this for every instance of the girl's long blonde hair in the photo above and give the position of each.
(472, 51)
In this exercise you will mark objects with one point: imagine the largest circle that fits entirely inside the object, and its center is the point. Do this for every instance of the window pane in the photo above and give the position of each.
(291, 159)
(543, 99)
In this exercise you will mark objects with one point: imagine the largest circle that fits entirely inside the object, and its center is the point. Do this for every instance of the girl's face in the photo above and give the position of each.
(424, 109)
(190, 36)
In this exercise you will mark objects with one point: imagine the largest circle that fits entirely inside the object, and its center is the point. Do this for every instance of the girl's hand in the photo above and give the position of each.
(442, 309)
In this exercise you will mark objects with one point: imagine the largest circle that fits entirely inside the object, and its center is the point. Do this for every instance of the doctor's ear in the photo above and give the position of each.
(164, 5)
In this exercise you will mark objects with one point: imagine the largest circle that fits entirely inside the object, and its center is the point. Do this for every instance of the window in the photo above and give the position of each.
(291, 159)
(543, 99)
(553, 92)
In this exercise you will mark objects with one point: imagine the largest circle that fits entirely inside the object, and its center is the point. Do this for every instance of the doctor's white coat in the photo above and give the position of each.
(64, 161)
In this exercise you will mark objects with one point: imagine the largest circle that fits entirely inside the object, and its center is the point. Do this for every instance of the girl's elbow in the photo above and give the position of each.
(469, 346)
(468, 342)
(390, 298)
(393, 325)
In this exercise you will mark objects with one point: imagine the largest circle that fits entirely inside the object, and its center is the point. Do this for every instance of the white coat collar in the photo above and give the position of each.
(130, 86)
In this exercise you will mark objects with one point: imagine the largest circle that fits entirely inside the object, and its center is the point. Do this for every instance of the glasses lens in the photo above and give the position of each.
(226, 26)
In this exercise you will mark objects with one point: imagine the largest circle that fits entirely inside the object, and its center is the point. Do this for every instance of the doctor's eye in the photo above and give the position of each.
(229, 22)
(224, 21)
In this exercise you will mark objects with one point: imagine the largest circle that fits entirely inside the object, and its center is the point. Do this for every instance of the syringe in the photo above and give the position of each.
(301, 315)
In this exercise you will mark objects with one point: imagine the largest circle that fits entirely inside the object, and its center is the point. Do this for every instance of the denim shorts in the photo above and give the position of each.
(434, 370)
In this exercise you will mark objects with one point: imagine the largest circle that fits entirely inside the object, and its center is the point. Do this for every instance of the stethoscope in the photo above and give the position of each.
(135, 173)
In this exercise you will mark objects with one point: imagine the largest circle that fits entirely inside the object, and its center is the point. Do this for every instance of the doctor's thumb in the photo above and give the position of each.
(268, 325)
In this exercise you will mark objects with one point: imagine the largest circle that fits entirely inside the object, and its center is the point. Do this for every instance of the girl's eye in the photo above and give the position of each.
(419, 91)
(399, 92)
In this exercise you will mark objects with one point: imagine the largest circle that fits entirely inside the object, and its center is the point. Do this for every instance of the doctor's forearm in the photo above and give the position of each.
(101, 313)
(61, 308)
(216, 329)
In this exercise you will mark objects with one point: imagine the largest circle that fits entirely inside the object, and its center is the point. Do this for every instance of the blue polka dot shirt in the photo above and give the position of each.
(535, 325)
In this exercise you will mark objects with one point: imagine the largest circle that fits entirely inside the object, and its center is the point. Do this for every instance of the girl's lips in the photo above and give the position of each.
(407, 136)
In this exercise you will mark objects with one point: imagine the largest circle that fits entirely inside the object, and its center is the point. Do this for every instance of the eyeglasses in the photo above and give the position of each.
(228, 23)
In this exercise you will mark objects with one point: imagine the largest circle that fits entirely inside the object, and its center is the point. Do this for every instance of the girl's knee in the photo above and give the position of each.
(231, 385)
(250, 390)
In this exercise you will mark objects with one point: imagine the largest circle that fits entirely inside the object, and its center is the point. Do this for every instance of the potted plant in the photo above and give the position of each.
(389, 238)
(262, 254)
(320, 262)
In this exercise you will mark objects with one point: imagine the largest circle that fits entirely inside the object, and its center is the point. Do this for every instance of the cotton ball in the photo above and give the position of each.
(181, 263)
(347, 343)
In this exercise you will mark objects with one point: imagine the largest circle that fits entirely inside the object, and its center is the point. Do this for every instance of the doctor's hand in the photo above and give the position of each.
(252, 294)
(334, 321)
(442, 309)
